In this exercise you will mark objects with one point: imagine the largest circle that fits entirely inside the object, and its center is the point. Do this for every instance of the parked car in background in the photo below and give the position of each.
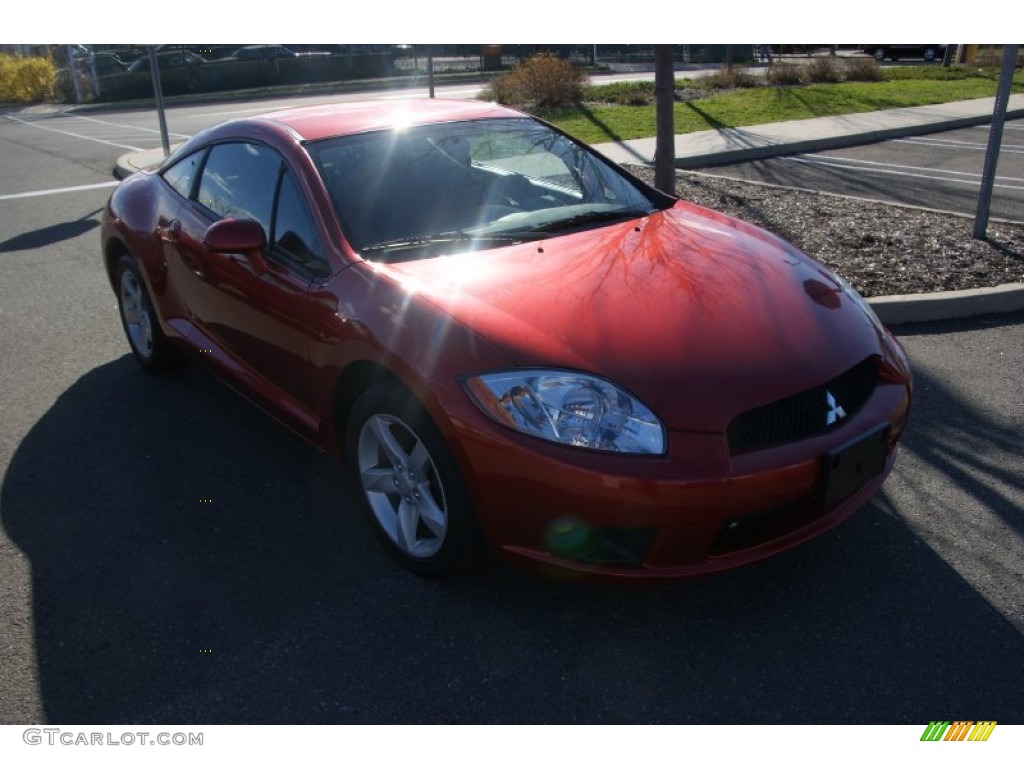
(102, 64)
(178, 68)
(262, 53)
(514, 344)
(272, 53)
(168, 60)
(896, 52)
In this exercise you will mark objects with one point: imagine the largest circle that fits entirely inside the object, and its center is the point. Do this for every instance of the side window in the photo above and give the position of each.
(181, 175)
(294, 234)
(238, 181)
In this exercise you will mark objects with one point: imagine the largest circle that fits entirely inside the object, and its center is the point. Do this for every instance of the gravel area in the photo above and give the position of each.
(880, 248)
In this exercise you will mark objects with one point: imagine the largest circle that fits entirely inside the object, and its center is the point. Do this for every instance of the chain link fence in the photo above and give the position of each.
(117, 72)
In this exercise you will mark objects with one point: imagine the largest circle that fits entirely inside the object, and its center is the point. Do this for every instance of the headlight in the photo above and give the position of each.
(570, 408)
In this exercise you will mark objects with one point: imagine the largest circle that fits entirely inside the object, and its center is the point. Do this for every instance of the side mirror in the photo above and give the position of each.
(244, 236)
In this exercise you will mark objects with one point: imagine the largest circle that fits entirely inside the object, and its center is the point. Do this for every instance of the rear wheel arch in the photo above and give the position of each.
(139, 318)
(112, 253)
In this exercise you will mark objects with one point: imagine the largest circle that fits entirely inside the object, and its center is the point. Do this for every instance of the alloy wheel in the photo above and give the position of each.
(402, 486)
(135, 313)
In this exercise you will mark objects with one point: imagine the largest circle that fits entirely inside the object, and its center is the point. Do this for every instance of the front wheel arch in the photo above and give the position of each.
(352, 382)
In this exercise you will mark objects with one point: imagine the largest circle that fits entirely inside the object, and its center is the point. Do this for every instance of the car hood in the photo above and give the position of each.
(699, 315)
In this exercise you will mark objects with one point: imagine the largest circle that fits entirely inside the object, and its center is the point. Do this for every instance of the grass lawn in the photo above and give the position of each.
(596, 120)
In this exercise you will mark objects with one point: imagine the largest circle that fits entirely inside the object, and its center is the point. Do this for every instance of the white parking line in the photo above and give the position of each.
(853, 164)
(129, 127)
(1015, 149)
(35, 124)
(62, 190)
(249, 111)
(1007, 127)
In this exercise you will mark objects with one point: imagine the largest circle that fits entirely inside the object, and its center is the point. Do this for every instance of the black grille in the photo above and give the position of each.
(803, 415)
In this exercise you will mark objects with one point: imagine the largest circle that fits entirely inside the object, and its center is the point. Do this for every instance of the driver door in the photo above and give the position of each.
(253, 322)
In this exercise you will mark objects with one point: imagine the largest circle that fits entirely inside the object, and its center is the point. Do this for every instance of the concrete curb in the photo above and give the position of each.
(708, 148)
(762, 152)
(132, 162)
(948, 305)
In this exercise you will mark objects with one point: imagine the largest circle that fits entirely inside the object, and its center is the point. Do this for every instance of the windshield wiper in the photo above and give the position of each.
(442, 238)
(591, 217)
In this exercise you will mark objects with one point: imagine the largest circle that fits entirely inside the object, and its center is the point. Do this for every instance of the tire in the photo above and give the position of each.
(880, 54)
(149, 346)
(409, 485)
(930, 54)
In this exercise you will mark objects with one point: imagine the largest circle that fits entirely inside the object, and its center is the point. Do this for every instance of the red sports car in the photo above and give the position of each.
(514, 344)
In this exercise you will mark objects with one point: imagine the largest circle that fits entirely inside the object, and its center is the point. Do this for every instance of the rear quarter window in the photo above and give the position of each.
(181, 176)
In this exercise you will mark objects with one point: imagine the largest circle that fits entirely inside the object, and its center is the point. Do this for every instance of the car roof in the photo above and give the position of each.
(328, 120)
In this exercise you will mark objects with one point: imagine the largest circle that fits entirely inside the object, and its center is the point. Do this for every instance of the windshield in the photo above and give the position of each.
(404, 193)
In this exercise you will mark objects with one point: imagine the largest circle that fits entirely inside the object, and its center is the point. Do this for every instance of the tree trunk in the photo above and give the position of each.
(665, 144)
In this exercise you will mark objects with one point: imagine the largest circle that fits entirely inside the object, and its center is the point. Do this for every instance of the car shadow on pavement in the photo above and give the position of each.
(192, 562)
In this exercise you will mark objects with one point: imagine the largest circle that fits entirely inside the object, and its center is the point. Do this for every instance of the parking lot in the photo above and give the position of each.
(940, 171)
(168, 554)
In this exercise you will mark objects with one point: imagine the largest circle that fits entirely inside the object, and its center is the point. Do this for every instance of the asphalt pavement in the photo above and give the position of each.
(733, 145)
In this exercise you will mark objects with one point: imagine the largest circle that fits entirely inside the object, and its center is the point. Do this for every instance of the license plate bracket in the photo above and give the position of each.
(847, 468)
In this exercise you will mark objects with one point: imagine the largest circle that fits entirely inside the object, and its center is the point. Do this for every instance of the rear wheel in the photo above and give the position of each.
(409, 484)
(147, 341)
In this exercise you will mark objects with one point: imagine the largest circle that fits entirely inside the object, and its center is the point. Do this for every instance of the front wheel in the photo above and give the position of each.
(409, 484)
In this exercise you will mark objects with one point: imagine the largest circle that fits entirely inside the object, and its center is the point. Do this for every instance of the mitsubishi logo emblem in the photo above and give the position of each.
(835, 410)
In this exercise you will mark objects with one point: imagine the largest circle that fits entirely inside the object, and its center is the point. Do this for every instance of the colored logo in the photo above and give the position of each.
(959, 730)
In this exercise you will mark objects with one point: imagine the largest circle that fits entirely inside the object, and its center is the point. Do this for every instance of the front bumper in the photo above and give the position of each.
(693, 512)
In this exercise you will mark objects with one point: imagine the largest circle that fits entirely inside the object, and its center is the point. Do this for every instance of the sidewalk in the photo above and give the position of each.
(731, 145)
(734, 145)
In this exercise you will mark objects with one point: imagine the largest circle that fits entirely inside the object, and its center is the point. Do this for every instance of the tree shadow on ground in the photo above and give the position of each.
(706, 116)
(602, 126)
(973, 445)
